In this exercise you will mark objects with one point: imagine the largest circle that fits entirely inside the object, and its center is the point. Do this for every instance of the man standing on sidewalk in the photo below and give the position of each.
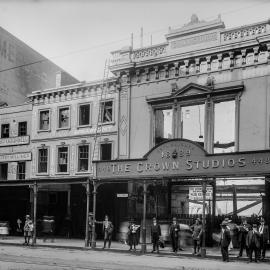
(253, 242)
(174, 234)
(225, 241)
(243, 230)
(196, 235)
(155, 234)
(264, 238)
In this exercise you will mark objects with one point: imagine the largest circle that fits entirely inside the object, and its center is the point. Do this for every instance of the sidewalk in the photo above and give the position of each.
(211, 252)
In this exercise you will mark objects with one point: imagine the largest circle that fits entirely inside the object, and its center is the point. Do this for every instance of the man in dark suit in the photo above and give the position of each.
(225, 241)
(243, 230)
(253, 242)
(155, 234)
(264, 238)
(174, 234)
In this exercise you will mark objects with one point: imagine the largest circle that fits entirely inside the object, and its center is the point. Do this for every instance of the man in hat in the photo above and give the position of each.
(174, 234)
(264, 238)
(253, 242)
(28, 229)
(243, 230)
(155, 234)
(196, 235)
(225, 240)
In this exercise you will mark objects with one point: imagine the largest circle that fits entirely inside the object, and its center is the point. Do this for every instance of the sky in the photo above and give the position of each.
(78, 35)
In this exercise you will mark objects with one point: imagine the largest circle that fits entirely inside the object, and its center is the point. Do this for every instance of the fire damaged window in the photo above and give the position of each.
(106, 151)
(84, 115)
(224, 130)
(21, 170)
(106, 111)
(5, 131)
(43, 160)
(44, 120)
(62, 159)
(192, 123)
(22, 129)
(64, 117)
(163, 125)
(83, 158)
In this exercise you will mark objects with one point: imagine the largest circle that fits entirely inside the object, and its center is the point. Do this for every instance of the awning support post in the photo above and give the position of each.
(143, 247)
(93, 242)
(86, 244)
(203, 249)
(35, 191)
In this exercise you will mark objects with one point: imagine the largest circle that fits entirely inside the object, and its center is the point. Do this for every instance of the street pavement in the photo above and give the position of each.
(43, 258)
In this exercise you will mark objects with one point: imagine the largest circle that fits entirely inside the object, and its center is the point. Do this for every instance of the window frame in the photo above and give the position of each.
(90, 114)
(112, 148)
(19, 133)
(57, 159)
(113, 112)
(19, 173)
(5, 124)
(58, 115)
(48, 160)
(89, 158)
(39, 121)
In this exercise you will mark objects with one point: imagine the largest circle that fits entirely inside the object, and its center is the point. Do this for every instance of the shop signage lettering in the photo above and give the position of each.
(195, 193)
(182, 158)
(14, 141)
(15, 157)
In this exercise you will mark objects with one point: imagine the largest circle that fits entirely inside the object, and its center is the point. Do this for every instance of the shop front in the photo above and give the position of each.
(179, 175)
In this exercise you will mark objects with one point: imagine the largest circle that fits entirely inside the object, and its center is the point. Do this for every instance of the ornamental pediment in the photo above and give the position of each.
(192, 89)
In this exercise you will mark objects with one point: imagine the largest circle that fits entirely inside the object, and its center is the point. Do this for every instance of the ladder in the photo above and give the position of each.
(103, 94)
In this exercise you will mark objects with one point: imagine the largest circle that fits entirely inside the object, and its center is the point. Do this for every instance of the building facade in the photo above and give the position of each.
(207, 84)
(15, 160)
(71, 126)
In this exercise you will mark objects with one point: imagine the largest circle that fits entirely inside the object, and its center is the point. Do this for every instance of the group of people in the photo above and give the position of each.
(253, 239)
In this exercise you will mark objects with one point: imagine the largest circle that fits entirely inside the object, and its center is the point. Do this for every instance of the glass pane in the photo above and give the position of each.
(43, 159)
(44, 120)
(84, 115)
(192, 123)
(62, 159)
(163, 125)
(64, 117)
(83, 158)
(224, 132)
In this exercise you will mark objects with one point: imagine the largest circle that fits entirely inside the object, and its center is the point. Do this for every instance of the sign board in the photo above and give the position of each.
(195, 193)
(14, 141)
(16, 157)
(184, 158)
(122, 195)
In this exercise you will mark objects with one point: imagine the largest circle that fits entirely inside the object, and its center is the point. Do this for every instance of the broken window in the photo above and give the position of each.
(5, 131)
(163, 125)
(44, 120)
(43, 160)
(106, 151)
(64, 117)
(22, 129)
(84, 115)
(63, 159)
(83, 156)
(106, 111)
(224, 131)
(192, 123)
